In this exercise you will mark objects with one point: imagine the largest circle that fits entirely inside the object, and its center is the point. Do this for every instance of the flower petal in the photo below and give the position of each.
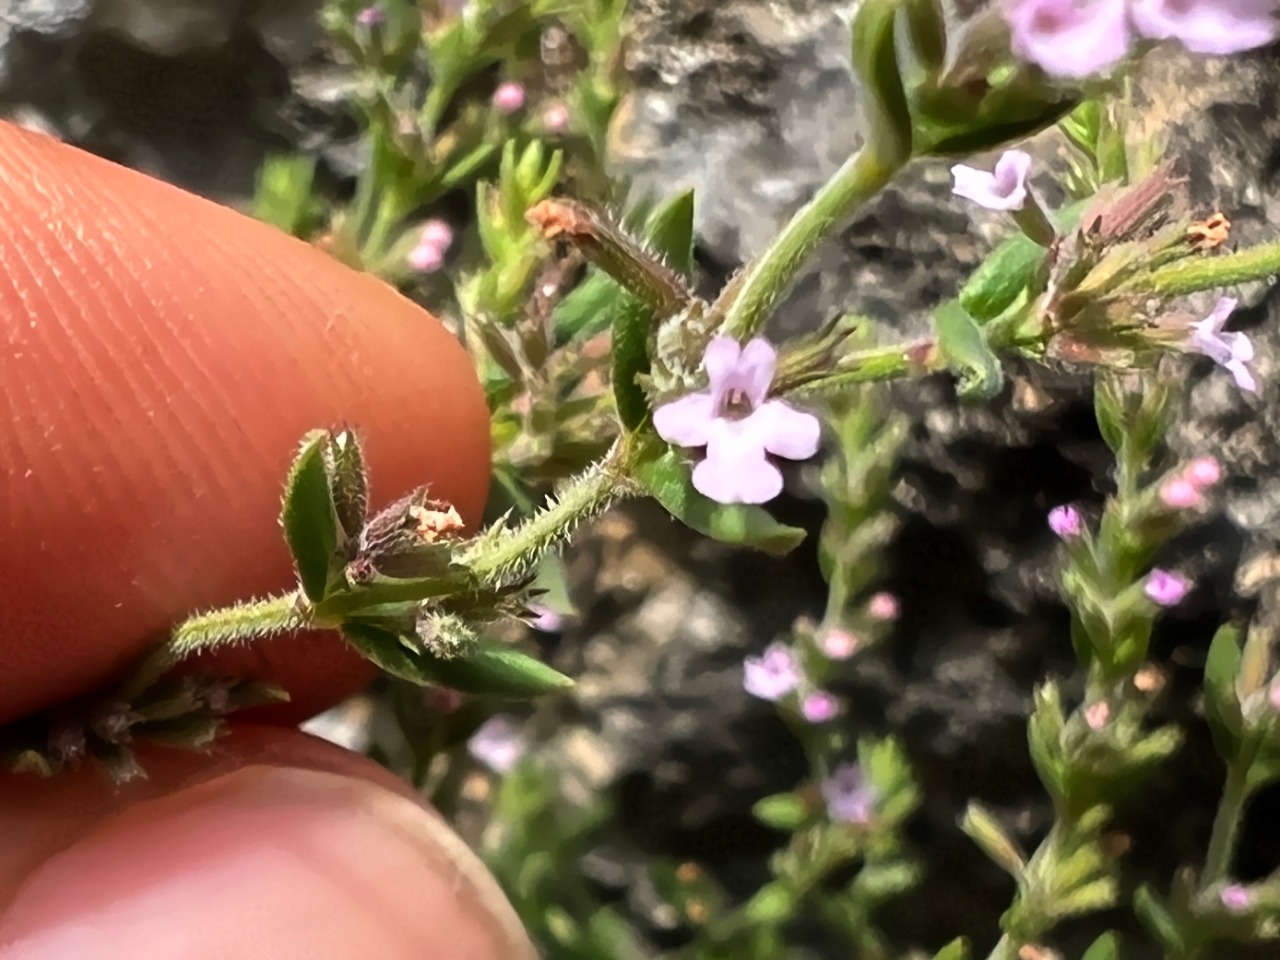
(686, 422)
(785, 431)
(735, 469)
(755, 370)
(1069, 38)
(720, 360)
(1244, 377)
(1214, 27)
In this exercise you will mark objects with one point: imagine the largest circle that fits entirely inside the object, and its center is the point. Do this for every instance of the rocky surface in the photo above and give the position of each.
(751, 102)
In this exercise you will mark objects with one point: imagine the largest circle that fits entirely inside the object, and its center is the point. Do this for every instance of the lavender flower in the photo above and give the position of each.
(498, 743)
(820, 707)
(1231, 351)
(1165, 588)
(1207, 26)
(370, 16)
(1066, 522)
(849, 798)
(1069, 38)
(508, 98)
(1236, 898)
(738, 425)
(773, 674)
(1204, 472)
(1003, 189)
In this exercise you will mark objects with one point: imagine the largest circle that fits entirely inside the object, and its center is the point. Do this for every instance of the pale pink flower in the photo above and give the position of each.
(436, 233)
(773, 674)
(1236, 898)
(838, 644)
(370, 16)
(820, 706)
(1179, 493)
(508, 98)
(556, 118)
(883, 606)
(1003, 189)
(738, 424)
(545, 619)
(1096, 715)
(1207, 26)
(425, 258)
(1231, 351)
(1204, 472)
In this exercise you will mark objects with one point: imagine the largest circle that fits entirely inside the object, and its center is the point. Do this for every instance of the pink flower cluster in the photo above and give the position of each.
(1080, 38)
(434, 240)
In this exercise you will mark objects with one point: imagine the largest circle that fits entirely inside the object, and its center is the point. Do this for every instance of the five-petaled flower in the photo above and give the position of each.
(773, 674)
(1005, 188)
(1231, 351)
(1166, 588)
(849, 797)
(738, 424)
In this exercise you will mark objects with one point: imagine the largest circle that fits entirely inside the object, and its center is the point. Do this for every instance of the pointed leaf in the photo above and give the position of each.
(669, 481)
(501, 671)
(1155, 916)
(1221, 708)
(632, 319)
(1106, 947)
(782, 811)
(957, 949)
(308, 518)
(964, 346)
(385, 649)
(670, 232)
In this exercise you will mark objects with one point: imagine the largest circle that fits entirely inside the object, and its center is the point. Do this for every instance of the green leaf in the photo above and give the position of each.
(782, 811)
(1106, 947)
(957, 949)
(587, 309)
(1221, 708)
(501, 671)
(308, 518)
(875, 62)
(772, 904)
(964, 346)
(668, 480)
(670, 234)
(496, 670)
(350, 482)
(1155, 916)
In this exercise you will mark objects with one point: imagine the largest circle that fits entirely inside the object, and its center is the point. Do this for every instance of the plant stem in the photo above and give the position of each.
(1210, 273)
(245, 621)
(510, 557)
(861, 177)
(1226, 823)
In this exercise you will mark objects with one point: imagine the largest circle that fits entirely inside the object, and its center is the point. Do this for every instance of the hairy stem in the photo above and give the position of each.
(245, 621)
(1210, 273)
(863, 176)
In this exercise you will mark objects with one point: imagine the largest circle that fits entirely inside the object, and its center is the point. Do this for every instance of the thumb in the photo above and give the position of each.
(161, 357)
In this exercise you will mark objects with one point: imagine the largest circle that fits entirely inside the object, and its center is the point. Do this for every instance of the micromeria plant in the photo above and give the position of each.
(610, 377)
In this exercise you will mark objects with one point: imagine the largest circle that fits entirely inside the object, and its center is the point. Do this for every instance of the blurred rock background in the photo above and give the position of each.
(751, 103)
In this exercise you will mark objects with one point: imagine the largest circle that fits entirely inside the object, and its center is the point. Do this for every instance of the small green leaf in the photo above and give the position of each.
(670, 232)
(308, 518)
(1155, 916)
(496, 670)
(668, 479)
(1221, 708)
(983, 828)
(782, 811)
(501, 671)
(772, 904)
(1106, 947)
(957, 949)
(350, 482)
(587, 309)
(670, 235)
(964, 346)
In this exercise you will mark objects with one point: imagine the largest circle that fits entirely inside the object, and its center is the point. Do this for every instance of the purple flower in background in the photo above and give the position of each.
(1003, 189)
(425, 258)
(773, 674)
(1207, 26)
(370, 16)
(1231, 351)
(738, 425)
(849, 798)
(883, 606)
(1165, 588)
(1236, 898)
(820, 707)
(1066, 522)
(498, 743)
(1069, 38)
(508, 98)
(436, 233)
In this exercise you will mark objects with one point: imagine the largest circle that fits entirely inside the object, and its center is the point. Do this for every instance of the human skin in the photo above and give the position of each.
(161, 358)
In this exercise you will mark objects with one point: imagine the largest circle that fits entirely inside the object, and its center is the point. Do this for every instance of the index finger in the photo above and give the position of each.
(161, 358)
